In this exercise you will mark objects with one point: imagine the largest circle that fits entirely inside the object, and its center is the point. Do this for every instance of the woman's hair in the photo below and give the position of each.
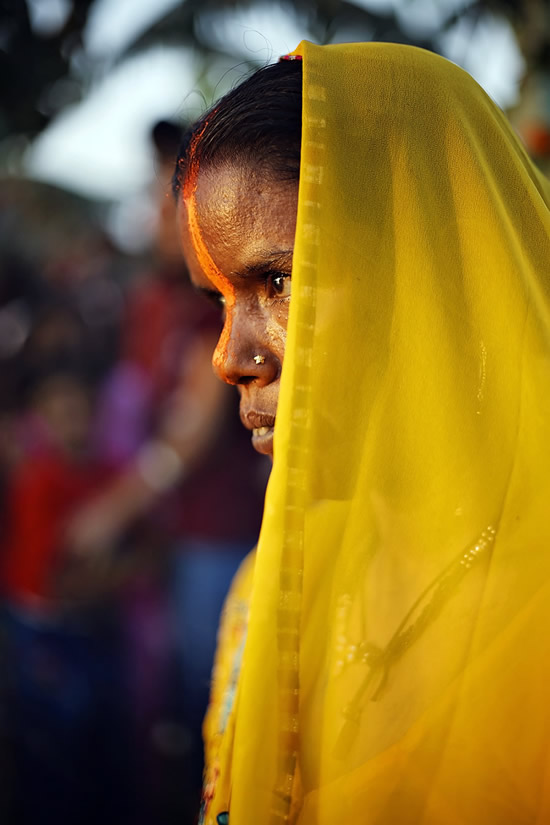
(259, 123)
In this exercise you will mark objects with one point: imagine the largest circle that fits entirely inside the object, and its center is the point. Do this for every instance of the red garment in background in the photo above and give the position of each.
(44, 493)
(164, 312)
(222, 498)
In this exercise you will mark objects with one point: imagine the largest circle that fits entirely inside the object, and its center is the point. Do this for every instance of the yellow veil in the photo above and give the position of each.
(397, 665)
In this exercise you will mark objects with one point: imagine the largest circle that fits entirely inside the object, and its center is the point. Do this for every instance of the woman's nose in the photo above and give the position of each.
(242, 354)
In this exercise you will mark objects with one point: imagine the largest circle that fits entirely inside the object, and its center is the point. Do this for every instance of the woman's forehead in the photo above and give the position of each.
(223, 194)
(232, 200)
(237, 215)
(232, 188)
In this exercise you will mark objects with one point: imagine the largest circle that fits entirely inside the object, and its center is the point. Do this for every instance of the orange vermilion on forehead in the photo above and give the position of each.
(212, 272)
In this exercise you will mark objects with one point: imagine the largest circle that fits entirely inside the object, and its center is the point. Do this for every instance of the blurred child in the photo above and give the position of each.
(48, 486)
(64, 707)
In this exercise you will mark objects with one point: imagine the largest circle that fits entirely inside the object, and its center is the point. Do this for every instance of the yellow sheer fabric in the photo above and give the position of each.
(397, 666)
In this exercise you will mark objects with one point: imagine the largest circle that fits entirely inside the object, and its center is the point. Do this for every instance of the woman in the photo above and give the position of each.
(397, 655)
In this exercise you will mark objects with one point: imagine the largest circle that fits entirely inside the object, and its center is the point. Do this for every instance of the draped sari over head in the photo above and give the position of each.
(397, 662)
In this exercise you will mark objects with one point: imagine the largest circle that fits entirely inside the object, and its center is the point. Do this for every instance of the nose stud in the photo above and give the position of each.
(259, 359)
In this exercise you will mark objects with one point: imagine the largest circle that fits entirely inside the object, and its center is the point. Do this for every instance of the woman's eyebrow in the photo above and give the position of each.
(271, 260)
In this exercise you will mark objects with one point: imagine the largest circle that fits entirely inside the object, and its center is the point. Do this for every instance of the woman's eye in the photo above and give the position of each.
(278, 285)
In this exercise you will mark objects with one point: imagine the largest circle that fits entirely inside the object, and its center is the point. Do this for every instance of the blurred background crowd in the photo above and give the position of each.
(129, 492)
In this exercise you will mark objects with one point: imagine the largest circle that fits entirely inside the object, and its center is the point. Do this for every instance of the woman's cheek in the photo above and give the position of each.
(276, 332)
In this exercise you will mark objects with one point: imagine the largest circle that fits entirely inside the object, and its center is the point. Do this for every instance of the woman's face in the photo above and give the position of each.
(238, 230)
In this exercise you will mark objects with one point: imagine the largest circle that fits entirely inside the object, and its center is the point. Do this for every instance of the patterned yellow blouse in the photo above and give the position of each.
(218, 723)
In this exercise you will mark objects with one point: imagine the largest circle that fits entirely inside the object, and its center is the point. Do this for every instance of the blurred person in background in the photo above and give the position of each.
(59, 295)
(186, 464)
(60, 301)
(52, 693)
(56, 336)
(64, 695)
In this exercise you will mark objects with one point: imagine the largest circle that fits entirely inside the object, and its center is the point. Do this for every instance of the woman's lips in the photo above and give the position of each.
(261, 424)
(262, 440)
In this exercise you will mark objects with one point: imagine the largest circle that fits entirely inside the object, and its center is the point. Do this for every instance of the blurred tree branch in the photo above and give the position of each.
(40, 73)
(31, 64)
